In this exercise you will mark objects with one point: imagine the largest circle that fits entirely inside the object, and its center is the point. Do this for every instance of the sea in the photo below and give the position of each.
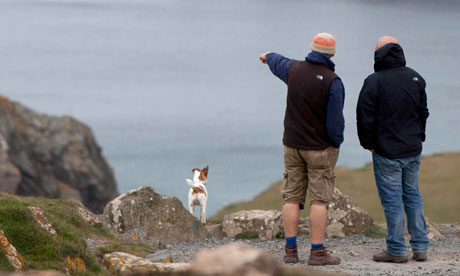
(172, 85)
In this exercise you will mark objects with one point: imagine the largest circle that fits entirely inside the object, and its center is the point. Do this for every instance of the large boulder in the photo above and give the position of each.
(262, 224)
(235, 259)
(124, 264)
(162, 217)
(54, 157)
(345, 217)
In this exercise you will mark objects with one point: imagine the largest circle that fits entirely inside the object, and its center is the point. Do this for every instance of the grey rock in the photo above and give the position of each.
(41, 220)
(89, 217)
(123, 264)
(215, 229)
(163, 218)
(235, 259)
(345, 217)
(266, 224)
(10, 176)
(161, 256)
(10, 252)
(54, 157)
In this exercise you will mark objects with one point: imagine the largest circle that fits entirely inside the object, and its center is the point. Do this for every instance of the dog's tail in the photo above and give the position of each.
(189, 182)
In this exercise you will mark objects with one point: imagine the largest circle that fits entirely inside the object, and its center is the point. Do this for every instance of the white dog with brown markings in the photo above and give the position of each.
(198, 194)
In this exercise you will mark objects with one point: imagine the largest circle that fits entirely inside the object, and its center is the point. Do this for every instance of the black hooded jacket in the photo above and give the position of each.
(392, 107)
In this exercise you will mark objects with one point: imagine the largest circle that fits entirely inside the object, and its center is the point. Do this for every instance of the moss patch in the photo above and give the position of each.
(247, 236)
(42, 250)
(376, 232)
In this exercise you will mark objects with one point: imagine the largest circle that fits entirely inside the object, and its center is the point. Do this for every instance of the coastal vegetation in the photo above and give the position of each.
(41, 250)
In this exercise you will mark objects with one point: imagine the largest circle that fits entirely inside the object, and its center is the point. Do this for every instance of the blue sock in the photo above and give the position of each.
(291, 242)
(315, 246)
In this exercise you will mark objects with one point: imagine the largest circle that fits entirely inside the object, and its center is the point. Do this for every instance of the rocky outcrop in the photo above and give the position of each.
(235, 259)
(54, 157)
(261, 223)
(345, 217)
(164, 218)
(41, 220)
(89, 217)
(11, 253)
(123, 263)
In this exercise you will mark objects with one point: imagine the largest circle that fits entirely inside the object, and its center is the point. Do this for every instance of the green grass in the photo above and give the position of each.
(42, 250)
(247, 236)
(439, 185)
(376, 232)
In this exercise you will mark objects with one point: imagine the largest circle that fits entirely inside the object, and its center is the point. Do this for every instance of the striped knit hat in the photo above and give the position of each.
(323, 43)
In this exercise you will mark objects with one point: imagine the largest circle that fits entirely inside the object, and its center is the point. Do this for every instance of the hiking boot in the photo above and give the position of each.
(321, 257)
(388, 258)
(420, 256)
(291, 256)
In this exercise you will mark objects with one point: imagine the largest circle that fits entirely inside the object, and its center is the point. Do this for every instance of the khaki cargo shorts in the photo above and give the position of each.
(311, 170)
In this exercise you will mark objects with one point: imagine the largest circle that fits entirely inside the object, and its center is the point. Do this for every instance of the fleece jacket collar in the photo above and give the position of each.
(317, 57)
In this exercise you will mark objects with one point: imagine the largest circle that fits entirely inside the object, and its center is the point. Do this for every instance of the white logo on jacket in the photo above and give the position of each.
(198, 194)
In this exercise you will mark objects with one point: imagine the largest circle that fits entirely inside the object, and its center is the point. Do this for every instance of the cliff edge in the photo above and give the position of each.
(53, 157)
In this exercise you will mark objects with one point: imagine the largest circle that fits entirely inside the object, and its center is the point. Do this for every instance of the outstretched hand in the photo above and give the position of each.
(263, 58)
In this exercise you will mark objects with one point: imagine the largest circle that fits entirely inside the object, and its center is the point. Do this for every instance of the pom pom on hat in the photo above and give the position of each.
(323, 43)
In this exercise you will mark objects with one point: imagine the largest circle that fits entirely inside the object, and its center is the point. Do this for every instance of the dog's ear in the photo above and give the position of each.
(195, 169)
(189, 182)
(204, 174)
(205, 171)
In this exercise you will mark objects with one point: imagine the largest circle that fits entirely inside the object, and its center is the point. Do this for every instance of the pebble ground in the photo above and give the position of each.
(355, 251)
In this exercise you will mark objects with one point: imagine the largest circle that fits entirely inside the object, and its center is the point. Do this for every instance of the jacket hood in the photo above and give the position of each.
(389, 56)
(317, 57)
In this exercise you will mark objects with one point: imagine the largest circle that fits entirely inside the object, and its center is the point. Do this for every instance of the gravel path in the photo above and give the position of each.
(356, 253)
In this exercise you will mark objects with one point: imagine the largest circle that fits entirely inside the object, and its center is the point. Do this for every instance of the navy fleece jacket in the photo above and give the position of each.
(335, 123)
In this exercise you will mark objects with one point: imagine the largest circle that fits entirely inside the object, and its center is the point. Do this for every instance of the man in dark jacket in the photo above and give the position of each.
(313, 132)
(391, 118)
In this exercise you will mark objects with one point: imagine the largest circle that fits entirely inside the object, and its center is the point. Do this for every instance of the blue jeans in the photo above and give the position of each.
(397, 184)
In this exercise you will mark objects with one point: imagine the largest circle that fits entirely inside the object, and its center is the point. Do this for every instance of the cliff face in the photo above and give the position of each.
(54, 157)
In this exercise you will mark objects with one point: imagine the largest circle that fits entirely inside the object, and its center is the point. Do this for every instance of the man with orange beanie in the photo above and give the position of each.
(391, 118)
(313, 132)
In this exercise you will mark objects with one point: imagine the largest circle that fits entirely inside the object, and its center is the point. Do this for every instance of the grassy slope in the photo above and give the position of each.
(439, 185)
(41, 250)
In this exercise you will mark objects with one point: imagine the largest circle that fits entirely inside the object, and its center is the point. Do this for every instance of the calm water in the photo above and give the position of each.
(171, 85)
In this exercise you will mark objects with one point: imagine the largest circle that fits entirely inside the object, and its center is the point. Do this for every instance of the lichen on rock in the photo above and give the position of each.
(11, 253)
(41, 220)
(152, 217)
(345, 217)
(124, 263)
(266, 224)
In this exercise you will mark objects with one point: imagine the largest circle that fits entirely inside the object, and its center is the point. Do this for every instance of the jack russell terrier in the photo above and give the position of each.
(198, 194)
